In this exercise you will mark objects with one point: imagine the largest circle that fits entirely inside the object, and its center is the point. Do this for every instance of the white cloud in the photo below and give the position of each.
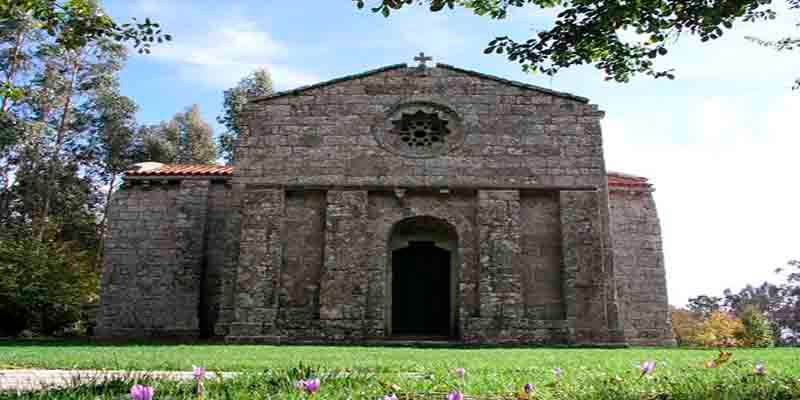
(224, 53)
(727, 199)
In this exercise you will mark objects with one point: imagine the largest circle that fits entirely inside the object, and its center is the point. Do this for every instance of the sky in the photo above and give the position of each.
(720, 143)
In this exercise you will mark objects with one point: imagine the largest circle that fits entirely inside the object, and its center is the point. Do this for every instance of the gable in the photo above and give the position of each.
(300, 90)
(358, 130)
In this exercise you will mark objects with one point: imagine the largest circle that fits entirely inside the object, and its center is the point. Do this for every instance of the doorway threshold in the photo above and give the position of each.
(416, 340)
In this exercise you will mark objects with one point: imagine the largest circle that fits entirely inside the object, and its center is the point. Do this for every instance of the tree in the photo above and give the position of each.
(113, 144)
(705, 305)
(787, 43)
(65, 97)
(156, 145)
(756, 328)
(74, 24)
(258, 83)
(720, 329)
(787, 315)
(67, 133)
(686, 326)
(588, 32)
(43, 285)
(185, 139)
(765, 298)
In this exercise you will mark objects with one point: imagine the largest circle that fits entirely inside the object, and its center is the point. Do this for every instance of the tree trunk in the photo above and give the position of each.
(103, 221)
(60, 136)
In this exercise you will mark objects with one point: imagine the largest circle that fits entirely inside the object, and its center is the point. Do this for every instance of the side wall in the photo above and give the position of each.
(639, 262)
(156, 275)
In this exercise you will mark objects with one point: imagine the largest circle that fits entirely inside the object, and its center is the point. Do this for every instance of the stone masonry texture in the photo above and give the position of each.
(296, 244)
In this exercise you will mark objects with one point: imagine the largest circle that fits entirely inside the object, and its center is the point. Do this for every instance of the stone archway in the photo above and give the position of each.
(422, 278)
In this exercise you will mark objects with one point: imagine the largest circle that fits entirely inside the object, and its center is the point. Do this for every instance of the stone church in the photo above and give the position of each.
(407, 203)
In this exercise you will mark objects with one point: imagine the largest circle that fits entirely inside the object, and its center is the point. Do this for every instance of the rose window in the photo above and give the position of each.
(421, 130)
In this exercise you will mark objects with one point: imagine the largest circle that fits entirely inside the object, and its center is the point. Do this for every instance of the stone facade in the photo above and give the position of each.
(379, 205)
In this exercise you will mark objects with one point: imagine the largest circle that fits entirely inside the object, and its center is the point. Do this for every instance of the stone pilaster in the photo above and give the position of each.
(344, 283)
(260, 262)
(500, 286)
(190, 227)
(233, 230)
(586, 282)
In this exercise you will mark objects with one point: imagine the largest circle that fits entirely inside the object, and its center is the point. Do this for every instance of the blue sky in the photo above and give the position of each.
(720, 143)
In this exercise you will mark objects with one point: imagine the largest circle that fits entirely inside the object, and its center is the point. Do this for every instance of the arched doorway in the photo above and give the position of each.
(423, 256)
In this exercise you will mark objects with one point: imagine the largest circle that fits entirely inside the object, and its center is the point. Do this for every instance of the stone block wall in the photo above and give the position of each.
(255, 287)
(590, 306)
(639, 263)
(154, 261)
(326, 135)
(300, 280)
(157, 272)
(258, 262)
(344, 286)
(214, 263)
(541, 253)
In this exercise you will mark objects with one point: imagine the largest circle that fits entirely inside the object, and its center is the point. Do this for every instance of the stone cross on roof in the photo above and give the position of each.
(422, 59)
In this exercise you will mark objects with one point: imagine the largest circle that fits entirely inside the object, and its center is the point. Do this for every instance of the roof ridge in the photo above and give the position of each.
(521, 85)
(518, 84)
(327, 83)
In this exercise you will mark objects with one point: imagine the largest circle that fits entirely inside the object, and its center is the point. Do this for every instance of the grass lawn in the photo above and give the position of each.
(370, 372)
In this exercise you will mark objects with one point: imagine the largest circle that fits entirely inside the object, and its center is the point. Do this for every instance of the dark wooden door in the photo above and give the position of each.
(421, 291)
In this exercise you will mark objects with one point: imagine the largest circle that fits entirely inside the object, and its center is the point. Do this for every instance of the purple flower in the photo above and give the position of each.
(558, 372)
(528, 388)
(390, 397)
(647, 367)
(760, 369)
(141, 392)
(300, 385)
(199, 372)
(312, 385)
(455, 395)
(460, 372)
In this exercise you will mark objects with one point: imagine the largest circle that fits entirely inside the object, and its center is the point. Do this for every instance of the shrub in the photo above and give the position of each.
(720, 329)
(43, 285)
(686, 326)
(756, 328)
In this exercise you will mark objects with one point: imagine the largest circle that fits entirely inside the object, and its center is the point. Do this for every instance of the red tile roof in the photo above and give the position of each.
(615, 179)
(157, 169)
(620, 180)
